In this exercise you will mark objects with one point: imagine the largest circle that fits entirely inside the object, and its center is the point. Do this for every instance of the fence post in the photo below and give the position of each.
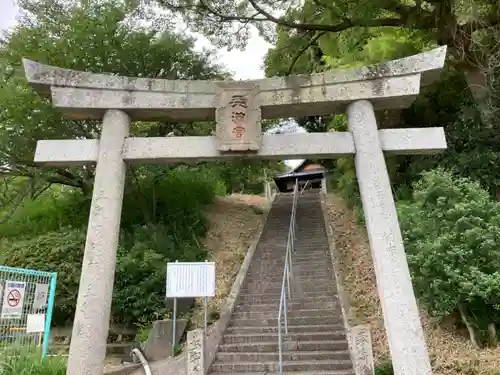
(48, 317)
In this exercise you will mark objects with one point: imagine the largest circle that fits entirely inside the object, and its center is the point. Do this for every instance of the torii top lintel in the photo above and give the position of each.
(84, 95)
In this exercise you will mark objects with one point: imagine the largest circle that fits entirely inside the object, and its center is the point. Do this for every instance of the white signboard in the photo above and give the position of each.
(35, 323)
(13, 299)
(41, 293)
(190, 279)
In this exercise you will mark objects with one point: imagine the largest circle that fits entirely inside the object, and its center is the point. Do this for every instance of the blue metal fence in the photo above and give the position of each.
(26, 305)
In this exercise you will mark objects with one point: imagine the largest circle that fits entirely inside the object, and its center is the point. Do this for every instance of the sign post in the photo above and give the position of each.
(190, 279)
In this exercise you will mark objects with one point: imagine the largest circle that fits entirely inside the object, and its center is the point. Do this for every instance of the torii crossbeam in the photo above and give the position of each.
(238, 108)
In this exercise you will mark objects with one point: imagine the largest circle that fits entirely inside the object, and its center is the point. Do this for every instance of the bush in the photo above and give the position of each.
(49, 212)
(162, 221)
(451, 230)
(384, 368)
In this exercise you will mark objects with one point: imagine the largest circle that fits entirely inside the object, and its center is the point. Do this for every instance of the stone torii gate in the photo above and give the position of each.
(238, 108)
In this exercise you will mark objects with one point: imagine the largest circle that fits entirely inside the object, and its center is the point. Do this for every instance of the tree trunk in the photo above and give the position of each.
(469, 326)
(493, 334)
(477, 81)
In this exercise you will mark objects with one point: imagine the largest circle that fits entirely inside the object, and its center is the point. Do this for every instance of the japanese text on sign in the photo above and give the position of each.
(13, 300)
(190, 279)
(239, 106)
(238, 117)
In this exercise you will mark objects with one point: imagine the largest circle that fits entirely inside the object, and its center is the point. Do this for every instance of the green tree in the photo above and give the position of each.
(459, 25)
(451, 230)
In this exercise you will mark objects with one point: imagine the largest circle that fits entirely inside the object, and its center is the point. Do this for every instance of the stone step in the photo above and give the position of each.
(331, 364)
(290, 306)
(302, 276)
(279, 258)
(304, 271)
(316, 343)
(301, 340)
(291, 314)
(296, 321)
(317, 260)
(309, 330)
(276, 288)
(314, 355)
(297, 276)
(261, 298)
(301, 269)
(307, 283)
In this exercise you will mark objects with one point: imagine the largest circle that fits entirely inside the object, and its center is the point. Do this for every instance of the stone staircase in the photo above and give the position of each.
(316, 341)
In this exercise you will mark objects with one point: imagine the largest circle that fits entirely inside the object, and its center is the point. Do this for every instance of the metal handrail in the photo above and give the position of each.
(287, 275)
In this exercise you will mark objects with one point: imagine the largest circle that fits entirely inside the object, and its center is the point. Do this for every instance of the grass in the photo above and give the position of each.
(30, 363)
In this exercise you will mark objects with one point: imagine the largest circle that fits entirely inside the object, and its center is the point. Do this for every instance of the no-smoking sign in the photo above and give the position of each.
(13, 299)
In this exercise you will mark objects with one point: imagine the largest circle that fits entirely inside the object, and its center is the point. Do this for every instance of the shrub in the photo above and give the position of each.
(451, 230)
(384, 368)
(54, 209)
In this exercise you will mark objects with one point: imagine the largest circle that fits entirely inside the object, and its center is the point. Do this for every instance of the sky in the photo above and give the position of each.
(247, 64)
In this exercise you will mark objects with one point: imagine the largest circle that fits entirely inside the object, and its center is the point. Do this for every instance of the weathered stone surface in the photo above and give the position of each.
(196, 149)
(195, 352)
(401, 316)
(91, 325)
(393, 84)
(238, 117)
(363, 350)
(159, 343)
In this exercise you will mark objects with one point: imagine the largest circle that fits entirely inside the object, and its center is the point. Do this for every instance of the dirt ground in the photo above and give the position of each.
(234, 222)
(451, 352)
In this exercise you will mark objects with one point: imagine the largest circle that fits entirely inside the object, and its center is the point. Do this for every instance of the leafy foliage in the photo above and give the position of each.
(145, 247)
(346, 25)
(452, 235)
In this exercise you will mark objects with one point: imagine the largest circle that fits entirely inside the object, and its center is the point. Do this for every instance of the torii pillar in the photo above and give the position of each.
(118, 100)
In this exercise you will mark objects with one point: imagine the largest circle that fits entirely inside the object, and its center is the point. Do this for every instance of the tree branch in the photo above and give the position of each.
(311, 42)
(344, 25)
(226, 17)
(477, 25)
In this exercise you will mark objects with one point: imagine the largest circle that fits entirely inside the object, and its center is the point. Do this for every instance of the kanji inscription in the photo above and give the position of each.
(363, 351)
(238, 117)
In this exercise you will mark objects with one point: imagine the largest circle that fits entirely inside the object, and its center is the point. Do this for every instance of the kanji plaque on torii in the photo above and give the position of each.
(238, 117)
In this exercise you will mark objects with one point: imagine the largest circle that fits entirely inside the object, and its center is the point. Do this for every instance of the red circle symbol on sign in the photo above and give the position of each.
(13, 298)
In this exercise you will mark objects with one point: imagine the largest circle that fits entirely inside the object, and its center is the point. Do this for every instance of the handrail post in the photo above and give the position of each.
(287, 266)
(287, 275)
(286, 313)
